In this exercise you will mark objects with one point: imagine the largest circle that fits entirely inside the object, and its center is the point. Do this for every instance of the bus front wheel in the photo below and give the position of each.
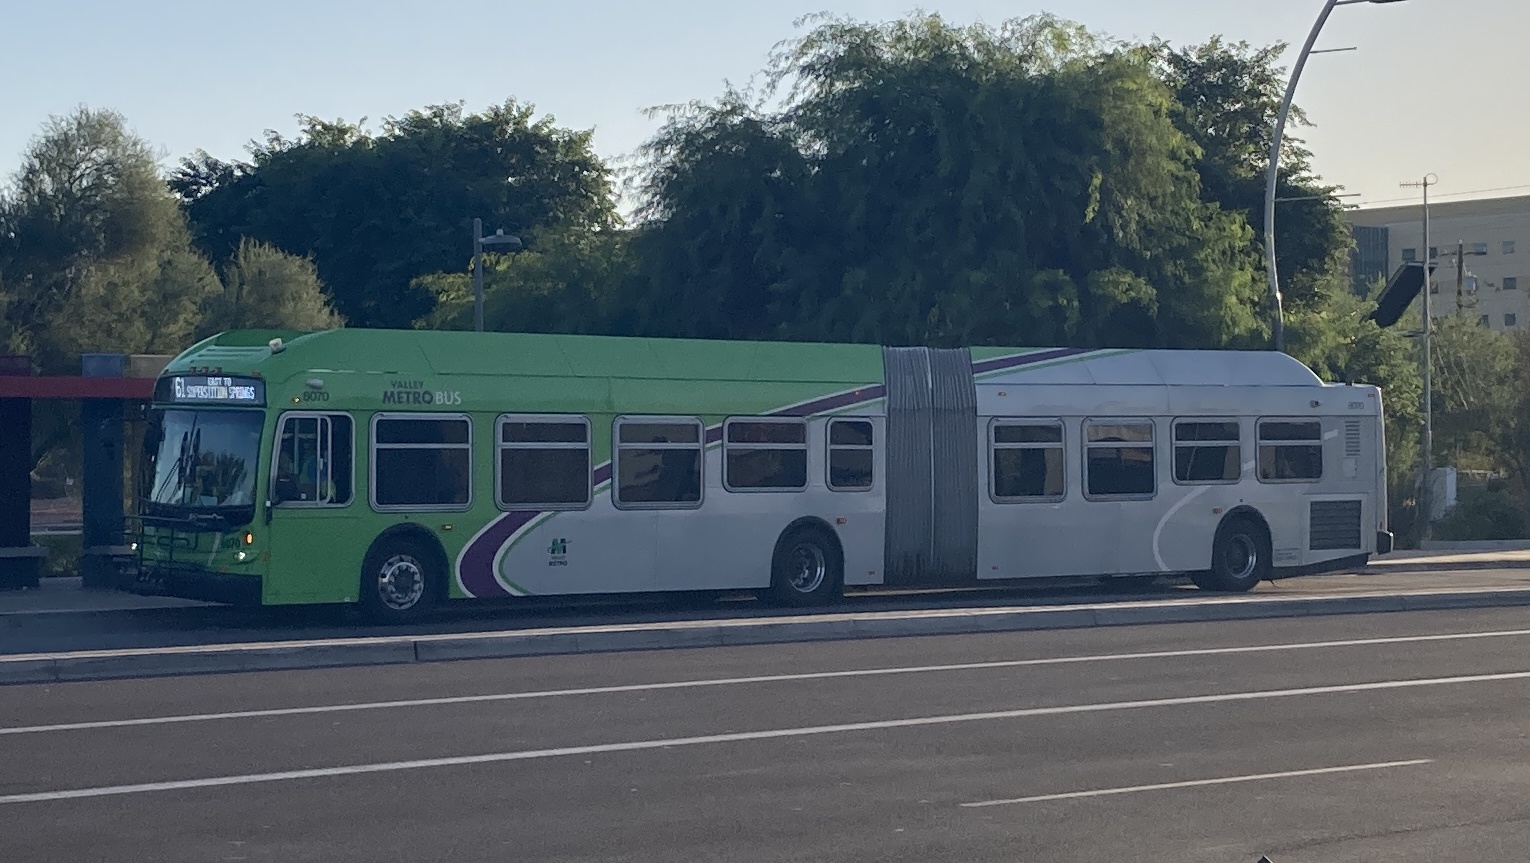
(1240, 558)
(398, 581)
(806, 568)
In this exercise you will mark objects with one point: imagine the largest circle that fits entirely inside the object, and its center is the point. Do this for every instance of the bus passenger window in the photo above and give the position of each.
(1027, 461)
(765, 455)
(544, 463)
(422, 462)
(1290, 451)
(658, 463)
(1207, 452)
(1120, 460)
(851, 455)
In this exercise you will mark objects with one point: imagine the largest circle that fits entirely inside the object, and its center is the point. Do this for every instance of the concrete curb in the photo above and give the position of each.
(1470, 546)
(389, 650)
(1427, 566)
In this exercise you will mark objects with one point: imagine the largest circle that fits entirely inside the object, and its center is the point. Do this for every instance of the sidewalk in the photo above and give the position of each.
(1470, 555)
(64, 595)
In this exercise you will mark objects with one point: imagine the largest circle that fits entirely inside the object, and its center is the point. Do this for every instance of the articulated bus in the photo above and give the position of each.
(402, 469)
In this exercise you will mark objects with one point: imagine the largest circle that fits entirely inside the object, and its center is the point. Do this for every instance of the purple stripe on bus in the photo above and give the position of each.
(999, 363)
(477, 567)
(834, 402)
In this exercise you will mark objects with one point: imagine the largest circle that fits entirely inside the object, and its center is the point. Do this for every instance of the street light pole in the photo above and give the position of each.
(1278, 324)
(478, 275)
(511, 243)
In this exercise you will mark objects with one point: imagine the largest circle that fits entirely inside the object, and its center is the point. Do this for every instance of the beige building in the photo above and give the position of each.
(1496, 264)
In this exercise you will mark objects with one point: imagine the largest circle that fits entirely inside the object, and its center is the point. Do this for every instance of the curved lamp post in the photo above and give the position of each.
(1279, 328)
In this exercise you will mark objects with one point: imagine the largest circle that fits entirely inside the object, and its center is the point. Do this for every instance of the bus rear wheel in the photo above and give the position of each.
(399, 581)
(1240, 558)
(806, 568)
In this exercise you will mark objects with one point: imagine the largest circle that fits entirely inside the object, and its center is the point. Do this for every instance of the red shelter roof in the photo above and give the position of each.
(68, 387)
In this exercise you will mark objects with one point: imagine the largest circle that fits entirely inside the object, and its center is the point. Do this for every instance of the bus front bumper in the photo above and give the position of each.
(187, 582)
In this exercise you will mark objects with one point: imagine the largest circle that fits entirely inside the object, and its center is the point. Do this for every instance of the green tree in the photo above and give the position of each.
(1511, 428)
(94, 251)
(1482, 401)
(1471, 365)
(1227, 96)
(266, 288)
(926, 183)
(377, 211)
(729, 226)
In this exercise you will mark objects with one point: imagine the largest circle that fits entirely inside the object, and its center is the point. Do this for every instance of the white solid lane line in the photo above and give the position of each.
(768, 678)
(745, 736)
(1197, 783)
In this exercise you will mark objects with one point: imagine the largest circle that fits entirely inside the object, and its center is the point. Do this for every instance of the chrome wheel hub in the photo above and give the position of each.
(808, 568)
(401, 582)
(1241, 557)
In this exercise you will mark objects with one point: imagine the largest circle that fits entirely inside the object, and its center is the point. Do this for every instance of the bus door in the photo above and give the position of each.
(313, 509)
(1035, 523)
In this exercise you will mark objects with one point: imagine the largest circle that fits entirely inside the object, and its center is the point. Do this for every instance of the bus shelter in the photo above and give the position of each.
(109, 388)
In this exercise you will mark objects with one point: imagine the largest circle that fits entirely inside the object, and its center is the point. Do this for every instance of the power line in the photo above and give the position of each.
(1449, 195)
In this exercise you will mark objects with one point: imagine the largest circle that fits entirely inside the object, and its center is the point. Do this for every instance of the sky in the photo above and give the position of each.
(1435, 87)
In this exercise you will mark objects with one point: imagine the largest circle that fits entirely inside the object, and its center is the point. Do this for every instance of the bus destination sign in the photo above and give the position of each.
(213, 390)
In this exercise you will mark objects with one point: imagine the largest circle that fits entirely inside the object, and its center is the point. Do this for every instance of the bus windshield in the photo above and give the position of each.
(202, 462)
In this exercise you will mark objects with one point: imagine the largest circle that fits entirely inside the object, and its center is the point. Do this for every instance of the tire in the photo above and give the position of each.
(1240, 558)
(806, 569)
(400, 581)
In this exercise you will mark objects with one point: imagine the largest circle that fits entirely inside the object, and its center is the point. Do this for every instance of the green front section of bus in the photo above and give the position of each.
(222, 553)
(315, 555)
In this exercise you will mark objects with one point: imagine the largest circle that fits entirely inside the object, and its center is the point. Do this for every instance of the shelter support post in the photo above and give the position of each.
(102, 434)
(20, 561)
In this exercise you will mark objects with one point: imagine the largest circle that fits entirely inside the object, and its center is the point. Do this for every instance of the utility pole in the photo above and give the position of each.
(1426, 460)
(1460, 276)
(1461, 254)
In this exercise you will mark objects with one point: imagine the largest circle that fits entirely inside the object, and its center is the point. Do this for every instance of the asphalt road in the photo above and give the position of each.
(1398, 737)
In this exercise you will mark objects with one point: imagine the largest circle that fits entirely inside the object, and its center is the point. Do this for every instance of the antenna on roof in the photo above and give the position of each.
(277, 345)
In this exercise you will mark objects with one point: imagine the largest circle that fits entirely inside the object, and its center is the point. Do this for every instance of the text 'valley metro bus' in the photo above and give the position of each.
(400, 469)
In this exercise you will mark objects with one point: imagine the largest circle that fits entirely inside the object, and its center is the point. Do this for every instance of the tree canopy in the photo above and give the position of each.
(94, 251)
(377, 211)
(96, 255)
(928, 183)
(1226, 97)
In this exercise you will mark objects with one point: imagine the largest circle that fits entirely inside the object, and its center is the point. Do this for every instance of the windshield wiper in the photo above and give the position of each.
(209, 521)
(177, 470)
